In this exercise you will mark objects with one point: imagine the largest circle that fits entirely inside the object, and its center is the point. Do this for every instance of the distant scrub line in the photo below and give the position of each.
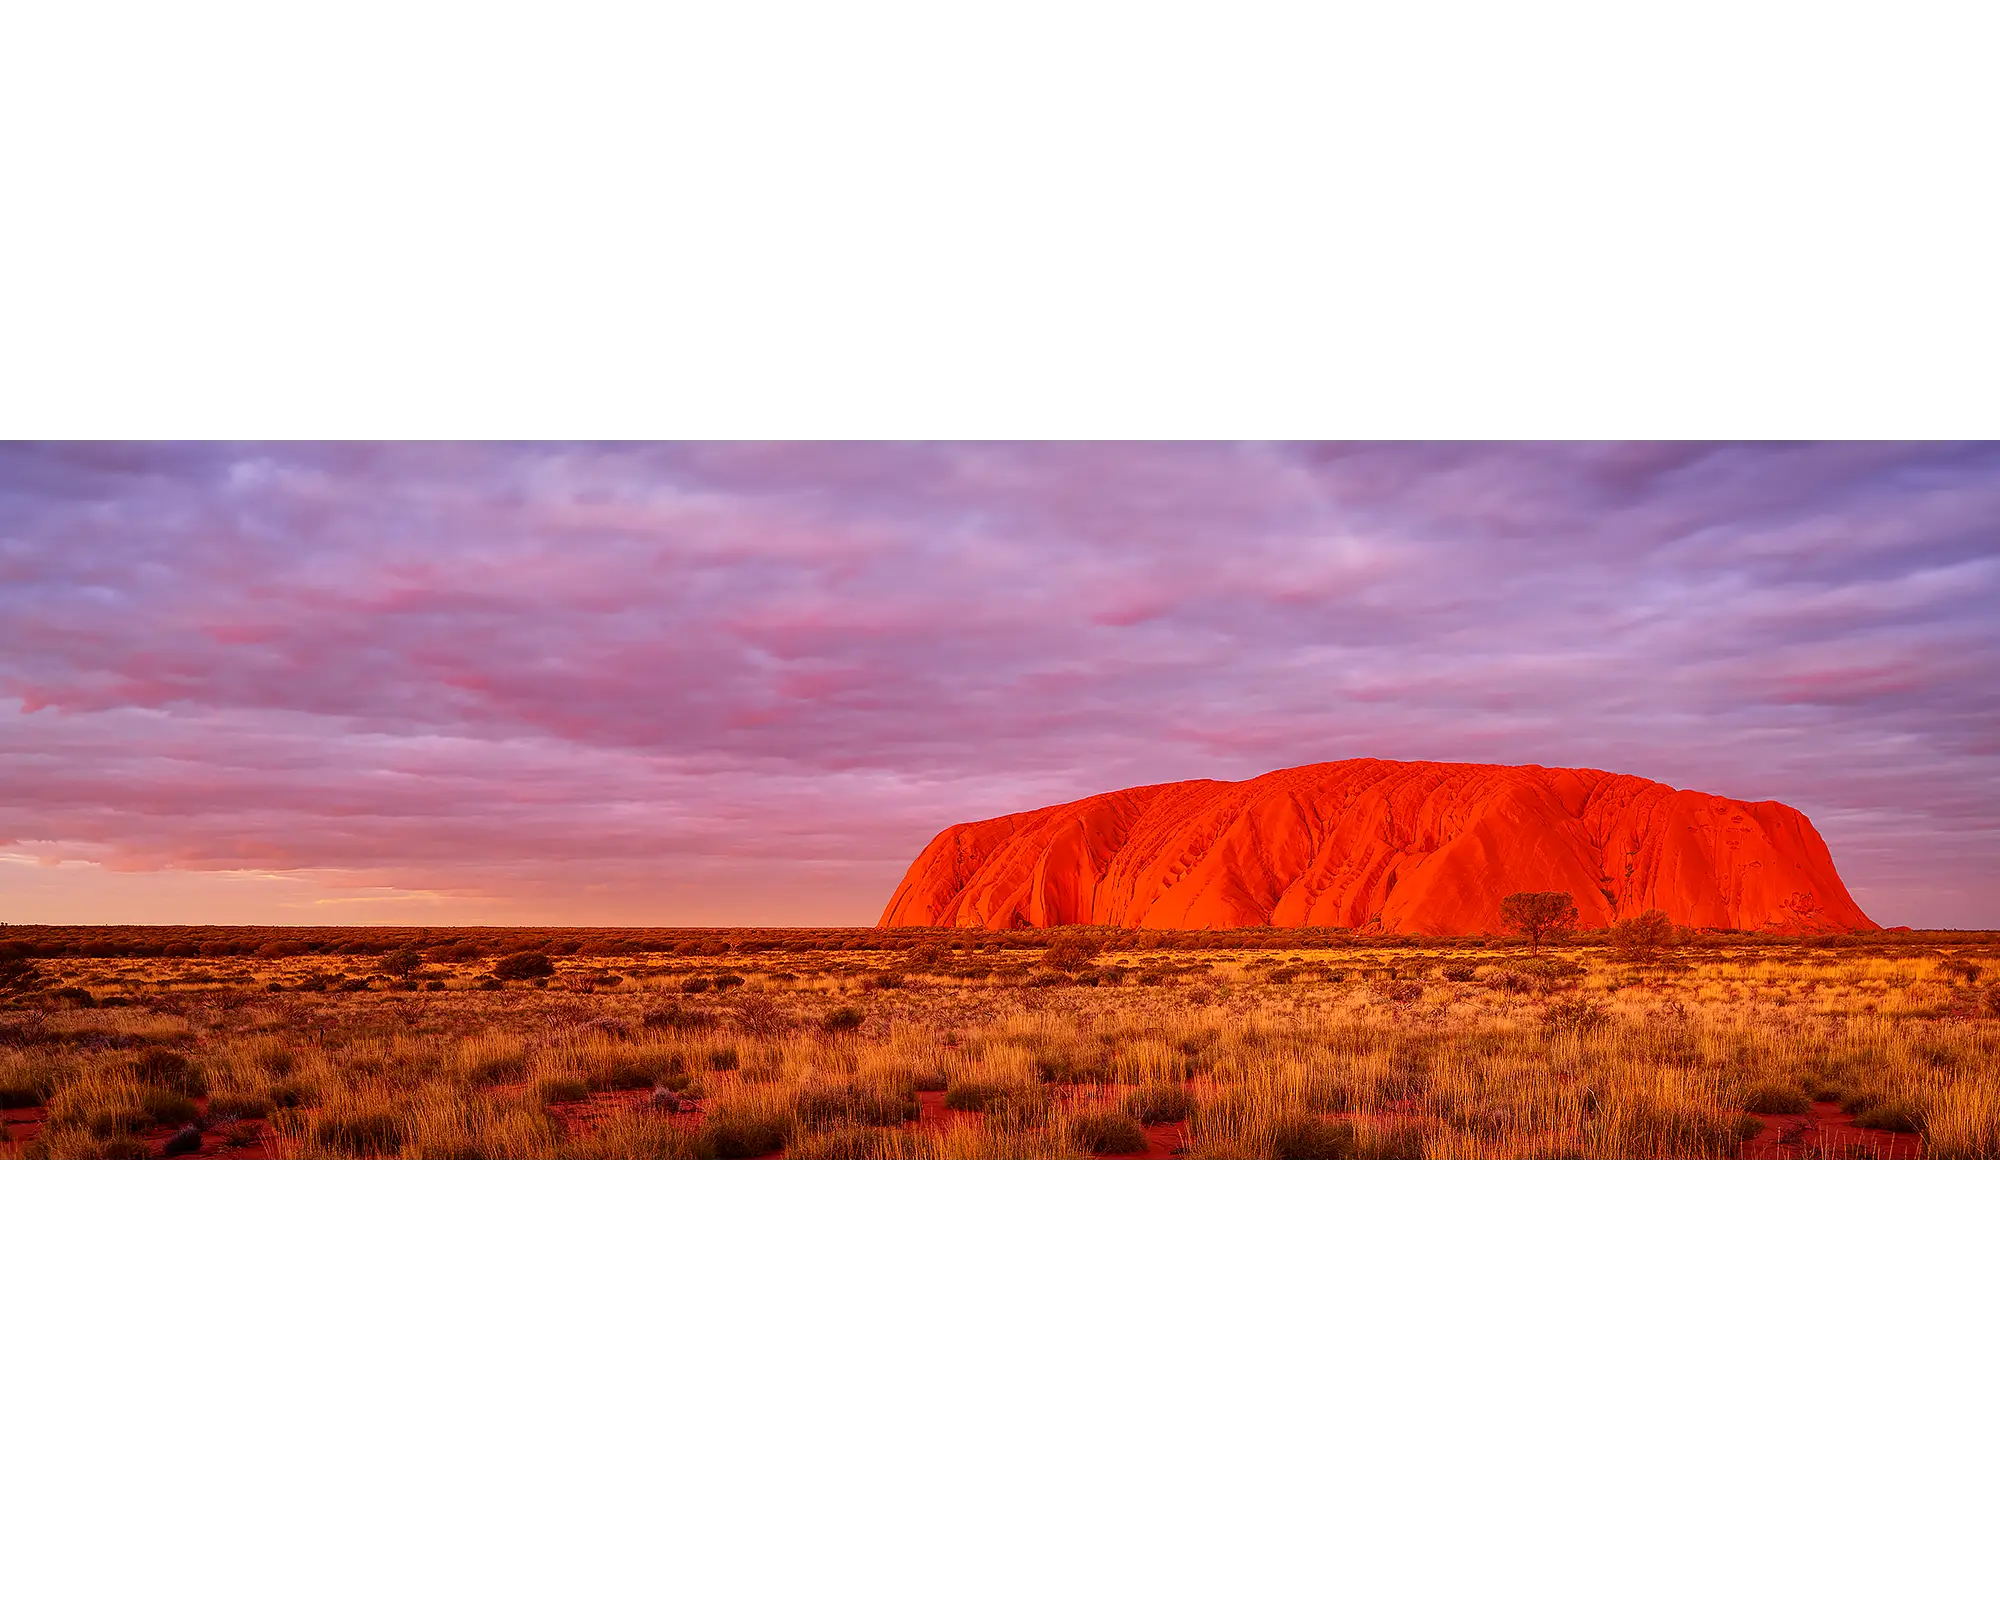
(479, 944)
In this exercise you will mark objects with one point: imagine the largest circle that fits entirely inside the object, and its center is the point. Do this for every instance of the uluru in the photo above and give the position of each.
(1420, 847)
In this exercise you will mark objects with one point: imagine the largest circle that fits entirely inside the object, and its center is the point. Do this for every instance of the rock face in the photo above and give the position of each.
(1406, 846)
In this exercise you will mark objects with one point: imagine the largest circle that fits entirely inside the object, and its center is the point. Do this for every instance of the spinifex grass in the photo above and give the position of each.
(1366, 1051)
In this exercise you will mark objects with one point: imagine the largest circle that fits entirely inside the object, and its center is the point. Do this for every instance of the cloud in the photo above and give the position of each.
(662, 682)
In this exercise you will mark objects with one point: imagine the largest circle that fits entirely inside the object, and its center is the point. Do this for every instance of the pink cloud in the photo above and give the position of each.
(505, 671)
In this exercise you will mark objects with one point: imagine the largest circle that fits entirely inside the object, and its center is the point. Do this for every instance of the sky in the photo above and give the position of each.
(745, 684)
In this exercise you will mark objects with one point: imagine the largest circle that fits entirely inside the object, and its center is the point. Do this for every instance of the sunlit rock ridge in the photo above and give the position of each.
(1404, 846)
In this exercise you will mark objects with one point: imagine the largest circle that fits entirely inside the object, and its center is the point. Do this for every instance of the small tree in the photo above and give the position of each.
(524, 964)
(1539, 914)
(1639, 938)
(1071, 952)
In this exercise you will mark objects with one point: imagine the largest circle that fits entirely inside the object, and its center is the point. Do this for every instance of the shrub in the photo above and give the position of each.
(843, 1019)
(723, 1058)
(886, 980)
(1777, 1100)
(1071, 952)
(1638, 938)
(1539, 914)
(1108, 1133)
(680, 1019)
(727, 980)
(186, 1142)
(524, 964)
(1159, 1102)
(1575, 1014)
(1311, 1139)
(401, 963)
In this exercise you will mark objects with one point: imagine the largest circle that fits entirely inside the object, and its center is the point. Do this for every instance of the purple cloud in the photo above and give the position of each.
(748, 682)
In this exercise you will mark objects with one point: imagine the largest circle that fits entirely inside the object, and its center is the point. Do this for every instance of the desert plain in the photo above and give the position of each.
(1073, 1043)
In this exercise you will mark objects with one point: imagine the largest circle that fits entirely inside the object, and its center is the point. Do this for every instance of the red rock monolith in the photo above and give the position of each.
(1407, 846)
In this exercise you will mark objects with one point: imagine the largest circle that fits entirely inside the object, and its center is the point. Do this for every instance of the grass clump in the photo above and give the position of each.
(736, 1134)
(873, 1105)
(623, 1074)
(1889, 1116)
(846, 1143)
(1062, 1066)
(1396, 1142)
(357, 1133)
(974, 1095)
(1108, 1133)
(23, 1090)
(166, 1108)
(843, 1019)
(169, 1069)
(1312, 1139)
(1777, 1100)
(1159, 1102)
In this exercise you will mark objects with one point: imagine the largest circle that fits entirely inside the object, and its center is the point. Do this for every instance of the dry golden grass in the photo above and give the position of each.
(981, 1048)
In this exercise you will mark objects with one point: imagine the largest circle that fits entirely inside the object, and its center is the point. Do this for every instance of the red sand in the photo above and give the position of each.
(1826, 1132)
(1418, 847)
